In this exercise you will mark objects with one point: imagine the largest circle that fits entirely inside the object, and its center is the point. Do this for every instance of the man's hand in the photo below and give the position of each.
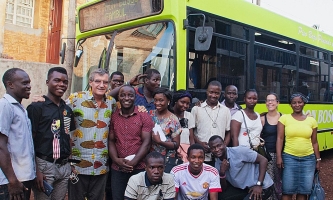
(142, 109)
(256, 192)
(224, 167)
(131, 163)
(39, 180)
(38, 98)
(205, 146)
(16, 190)
(123, 166)
(136, 79)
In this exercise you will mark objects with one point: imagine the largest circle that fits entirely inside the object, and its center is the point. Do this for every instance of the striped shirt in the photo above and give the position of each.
(140, 188)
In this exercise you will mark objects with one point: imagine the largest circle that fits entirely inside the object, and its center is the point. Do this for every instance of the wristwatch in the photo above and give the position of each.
(259, 183)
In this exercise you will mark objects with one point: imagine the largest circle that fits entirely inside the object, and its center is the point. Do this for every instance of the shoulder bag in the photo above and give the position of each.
(317, 192)
(260, 149)
(171, 162)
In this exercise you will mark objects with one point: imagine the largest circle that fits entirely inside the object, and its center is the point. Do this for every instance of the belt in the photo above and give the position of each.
(61, 161)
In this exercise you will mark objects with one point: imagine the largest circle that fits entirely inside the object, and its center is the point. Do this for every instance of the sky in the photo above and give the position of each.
(308, 12)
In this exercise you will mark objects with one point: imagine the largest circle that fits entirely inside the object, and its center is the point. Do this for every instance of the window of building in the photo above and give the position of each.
(20, 12)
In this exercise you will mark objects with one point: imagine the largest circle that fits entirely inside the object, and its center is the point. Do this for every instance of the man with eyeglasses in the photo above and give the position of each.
(92, 110)
(116, 79)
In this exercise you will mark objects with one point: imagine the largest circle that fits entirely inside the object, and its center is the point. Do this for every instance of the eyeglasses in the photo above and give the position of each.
(98, 82)
(118, 81)
(271, 100)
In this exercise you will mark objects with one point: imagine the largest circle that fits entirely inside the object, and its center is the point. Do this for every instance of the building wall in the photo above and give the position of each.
(37, 73)
(29, 44)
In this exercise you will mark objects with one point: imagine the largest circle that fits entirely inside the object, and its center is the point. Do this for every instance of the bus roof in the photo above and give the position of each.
(256, 16)
(246, 13)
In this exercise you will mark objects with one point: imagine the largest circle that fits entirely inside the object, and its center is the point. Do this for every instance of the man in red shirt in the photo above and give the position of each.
(129, 141)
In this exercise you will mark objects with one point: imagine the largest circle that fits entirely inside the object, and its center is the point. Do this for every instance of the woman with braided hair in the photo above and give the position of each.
(181, 101)
(299, 157)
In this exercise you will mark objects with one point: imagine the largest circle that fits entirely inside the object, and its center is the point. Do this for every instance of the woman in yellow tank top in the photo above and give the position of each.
(299, 157)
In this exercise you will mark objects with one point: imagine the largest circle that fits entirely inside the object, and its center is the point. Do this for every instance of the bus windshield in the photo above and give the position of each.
(134, 51)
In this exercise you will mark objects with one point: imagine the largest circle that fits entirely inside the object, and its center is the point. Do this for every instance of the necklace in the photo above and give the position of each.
(214, 121)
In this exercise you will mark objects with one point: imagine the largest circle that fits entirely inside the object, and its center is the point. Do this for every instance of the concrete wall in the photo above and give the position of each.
(37, 72)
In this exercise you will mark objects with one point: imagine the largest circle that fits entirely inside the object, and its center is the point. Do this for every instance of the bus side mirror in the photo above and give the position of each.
(63, 53)
(203, 38)
(78, 55)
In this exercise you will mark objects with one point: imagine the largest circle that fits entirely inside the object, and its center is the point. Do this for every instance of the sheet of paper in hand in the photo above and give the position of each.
(158, 130)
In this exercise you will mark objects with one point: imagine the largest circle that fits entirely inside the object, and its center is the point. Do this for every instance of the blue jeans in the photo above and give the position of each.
(4, 194)
(298, 173)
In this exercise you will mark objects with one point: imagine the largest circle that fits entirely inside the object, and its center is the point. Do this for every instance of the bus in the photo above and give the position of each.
(192, 42)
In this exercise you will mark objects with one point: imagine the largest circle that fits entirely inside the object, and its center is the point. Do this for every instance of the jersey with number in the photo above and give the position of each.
(191, 186)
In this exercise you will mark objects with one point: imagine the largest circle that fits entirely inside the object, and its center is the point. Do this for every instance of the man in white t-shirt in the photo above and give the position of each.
(195, 179)
(211, 118)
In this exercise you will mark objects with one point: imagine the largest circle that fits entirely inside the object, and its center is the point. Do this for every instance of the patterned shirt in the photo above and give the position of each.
(90, 137)
(128, 131)
(140, 100)
(171, 128)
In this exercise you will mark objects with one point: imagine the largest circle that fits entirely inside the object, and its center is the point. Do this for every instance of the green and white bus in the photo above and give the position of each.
(192, 42)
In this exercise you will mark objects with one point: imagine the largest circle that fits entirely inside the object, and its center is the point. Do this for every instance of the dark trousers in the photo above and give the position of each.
(119, 181)
(233, 193)
(89, 186)
(108, 191)
(4, 194)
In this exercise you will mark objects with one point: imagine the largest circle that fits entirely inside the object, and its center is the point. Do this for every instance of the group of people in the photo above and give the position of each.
(126, 142)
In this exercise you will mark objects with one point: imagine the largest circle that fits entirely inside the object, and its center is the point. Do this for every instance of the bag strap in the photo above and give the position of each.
(248, 133)
(317, 181)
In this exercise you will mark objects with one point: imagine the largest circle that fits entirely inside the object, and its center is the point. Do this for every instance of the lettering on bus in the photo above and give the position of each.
(314, 36)
(322, 116)
(110, 12)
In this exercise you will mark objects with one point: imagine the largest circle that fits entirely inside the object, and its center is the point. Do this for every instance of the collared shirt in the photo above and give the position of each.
(205, 116)
(233, 110)
(47, 118)
(140, 100)
(91, 136)
(191, 186)
(243, 172)
(128, 131)
(140, 188)
(16, 125)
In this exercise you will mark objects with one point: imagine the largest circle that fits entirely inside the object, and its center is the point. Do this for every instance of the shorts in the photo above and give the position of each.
(298, 174)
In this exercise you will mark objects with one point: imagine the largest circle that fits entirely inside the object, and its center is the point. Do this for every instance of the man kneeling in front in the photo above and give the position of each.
(242, 171)
(153, 184)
